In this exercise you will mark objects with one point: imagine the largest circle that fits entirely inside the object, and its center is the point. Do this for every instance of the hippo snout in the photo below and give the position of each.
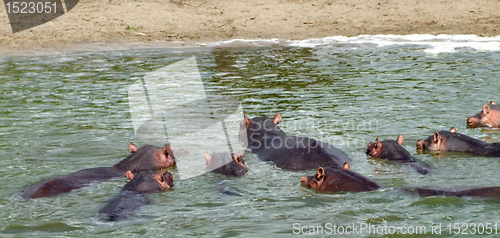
(303, 179)
(471, 122)
(420, 144)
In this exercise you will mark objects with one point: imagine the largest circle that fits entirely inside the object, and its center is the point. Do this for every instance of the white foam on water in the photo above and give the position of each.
(434, 44)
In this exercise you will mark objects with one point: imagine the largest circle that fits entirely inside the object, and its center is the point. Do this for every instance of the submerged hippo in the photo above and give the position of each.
(133, 193)
(488, 117)
(226, 164)
(392, 150)
(453, 141)
(148, 157)
(270, 143)
(341, 180)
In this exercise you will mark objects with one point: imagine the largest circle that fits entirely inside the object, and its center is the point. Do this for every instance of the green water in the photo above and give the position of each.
(63, 113)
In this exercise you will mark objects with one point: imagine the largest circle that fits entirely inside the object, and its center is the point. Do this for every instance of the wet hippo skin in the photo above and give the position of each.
(226, 164)
(148, 157)
(453, 141)
(270, 143)
(340, 180)
(392, 150)
(488, 117)
(133, 193)
(485, 192)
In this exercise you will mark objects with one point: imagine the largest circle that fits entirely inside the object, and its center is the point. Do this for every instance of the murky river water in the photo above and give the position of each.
(63, 113)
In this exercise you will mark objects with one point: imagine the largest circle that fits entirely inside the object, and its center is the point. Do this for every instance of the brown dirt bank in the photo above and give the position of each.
(150, 21)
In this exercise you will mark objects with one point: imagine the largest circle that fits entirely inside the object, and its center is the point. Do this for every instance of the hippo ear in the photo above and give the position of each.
(130, 175)
(321, 172)
(208, 158)
(486, 109)
(492, 102)
(436, 137)
(346, 166)
(277, 118)
(236, 157)
(378, 144)
(132, 148)
(400, 139)
(247, 121)
(168, 150)
(453, 130)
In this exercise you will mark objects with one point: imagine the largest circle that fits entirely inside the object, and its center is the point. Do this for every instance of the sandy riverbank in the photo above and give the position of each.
(189, 21)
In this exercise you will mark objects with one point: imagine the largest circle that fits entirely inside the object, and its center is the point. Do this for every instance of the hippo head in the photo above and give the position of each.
(148, 181)
(388, 149)
(438, 141)
(147, 157)
(338, 180)
(223, 163)
(488, 117)
(258, 122)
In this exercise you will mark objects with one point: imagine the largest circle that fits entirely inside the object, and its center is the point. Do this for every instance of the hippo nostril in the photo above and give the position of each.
(470, 122)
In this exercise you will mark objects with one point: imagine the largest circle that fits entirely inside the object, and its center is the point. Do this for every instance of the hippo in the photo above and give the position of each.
(341, 180)
(484, 192)
(133, 193)
(453, 141)
(392, 150)
(226, 164)
(148, 157)
(265, 139)
(488, 117)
